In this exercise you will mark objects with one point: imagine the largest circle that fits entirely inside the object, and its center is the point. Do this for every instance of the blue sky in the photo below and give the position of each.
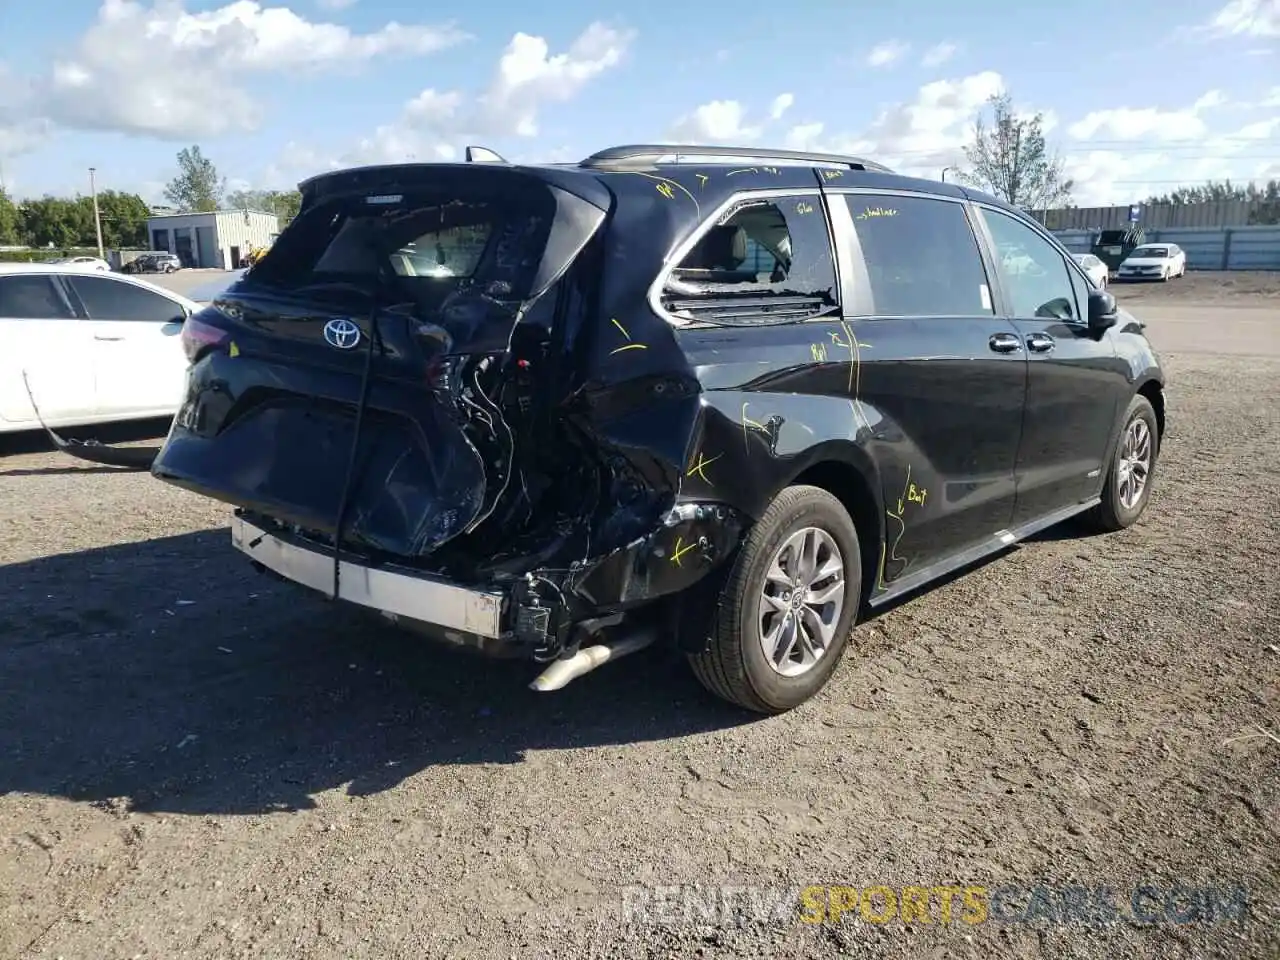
(277, 90)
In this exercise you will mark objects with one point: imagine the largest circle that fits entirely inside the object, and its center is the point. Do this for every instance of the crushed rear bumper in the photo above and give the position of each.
(389, 590)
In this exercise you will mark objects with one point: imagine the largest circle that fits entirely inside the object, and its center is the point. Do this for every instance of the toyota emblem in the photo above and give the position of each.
(341, 332)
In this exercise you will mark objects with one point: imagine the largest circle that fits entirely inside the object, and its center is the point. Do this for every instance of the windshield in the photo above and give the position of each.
(1156, 253)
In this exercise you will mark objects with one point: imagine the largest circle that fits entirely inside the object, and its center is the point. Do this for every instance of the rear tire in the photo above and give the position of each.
(1119, 507)
(754, 604)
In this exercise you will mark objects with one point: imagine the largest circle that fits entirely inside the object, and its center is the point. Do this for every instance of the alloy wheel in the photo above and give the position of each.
(801, 601)
(1134, 465)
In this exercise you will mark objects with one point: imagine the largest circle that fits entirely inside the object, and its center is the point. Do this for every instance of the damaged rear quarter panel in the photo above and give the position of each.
(715, 420)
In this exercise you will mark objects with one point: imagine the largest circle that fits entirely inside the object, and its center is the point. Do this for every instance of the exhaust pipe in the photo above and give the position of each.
(558, 675)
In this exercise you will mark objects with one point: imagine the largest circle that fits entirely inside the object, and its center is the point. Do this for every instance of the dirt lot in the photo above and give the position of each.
(196, 762)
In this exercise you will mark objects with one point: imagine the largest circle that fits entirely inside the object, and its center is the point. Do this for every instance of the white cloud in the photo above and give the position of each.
(1105, 177)
(725, 122)
(1148, 123)
(938, 54)
(1272, 98)
(168, 72)
(922, 135)
(917, 137)
(1249, 18)
(527, 78)
(1262, 130)
(883, 54)
(719, 122)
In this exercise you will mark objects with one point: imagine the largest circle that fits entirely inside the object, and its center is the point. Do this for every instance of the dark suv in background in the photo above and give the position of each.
(153, 263)
(730, 403)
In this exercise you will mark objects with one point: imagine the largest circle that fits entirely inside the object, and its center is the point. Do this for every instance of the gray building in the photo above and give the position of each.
(217, 239)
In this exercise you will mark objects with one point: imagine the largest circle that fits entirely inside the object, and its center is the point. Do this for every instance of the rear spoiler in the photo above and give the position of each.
(127, 458)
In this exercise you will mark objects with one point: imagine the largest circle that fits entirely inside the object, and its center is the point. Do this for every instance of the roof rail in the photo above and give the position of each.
(651, 153)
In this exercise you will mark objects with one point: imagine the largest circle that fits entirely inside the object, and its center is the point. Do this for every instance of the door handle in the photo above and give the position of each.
(100, 337)
(1039, 342)
(1003, 343)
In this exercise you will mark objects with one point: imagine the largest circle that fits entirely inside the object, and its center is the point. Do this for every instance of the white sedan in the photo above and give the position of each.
(94, 347)
(1093, 267)
(1154, 261)
(83, 263)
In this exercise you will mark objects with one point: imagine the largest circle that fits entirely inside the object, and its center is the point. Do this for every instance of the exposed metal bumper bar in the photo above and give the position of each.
(401, 592)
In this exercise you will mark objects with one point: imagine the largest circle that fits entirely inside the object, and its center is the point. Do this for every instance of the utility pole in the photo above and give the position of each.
(944, 173)
(97, 220)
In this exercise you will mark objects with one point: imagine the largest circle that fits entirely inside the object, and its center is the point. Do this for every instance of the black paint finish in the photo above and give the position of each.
(640, 448)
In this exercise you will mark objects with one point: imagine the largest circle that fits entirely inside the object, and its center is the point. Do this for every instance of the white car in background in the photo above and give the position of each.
(83, 263)
(1154, 261)
(94, 347)
(1093, 267)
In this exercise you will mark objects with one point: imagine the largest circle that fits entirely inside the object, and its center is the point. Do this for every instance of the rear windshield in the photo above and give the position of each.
(420, 246)
(1111, 236)
(1150, 252)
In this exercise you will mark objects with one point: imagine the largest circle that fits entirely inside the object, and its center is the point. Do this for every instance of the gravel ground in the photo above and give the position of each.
(197, 762)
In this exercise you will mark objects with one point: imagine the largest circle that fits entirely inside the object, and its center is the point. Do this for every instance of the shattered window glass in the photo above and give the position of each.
(431, 245)
(769, 261)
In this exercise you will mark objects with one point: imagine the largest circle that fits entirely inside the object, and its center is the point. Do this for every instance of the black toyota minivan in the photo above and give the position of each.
(728, 399)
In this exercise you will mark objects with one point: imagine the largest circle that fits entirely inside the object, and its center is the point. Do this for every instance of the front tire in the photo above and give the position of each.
(787, 607)
(1129, 476)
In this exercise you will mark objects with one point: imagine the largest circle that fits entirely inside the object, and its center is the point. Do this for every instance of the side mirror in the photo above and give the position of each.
(1103, 311)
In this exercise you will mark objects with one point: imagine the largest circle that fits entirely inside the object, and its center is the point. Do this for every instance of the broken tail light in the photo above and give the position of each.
(198, 336)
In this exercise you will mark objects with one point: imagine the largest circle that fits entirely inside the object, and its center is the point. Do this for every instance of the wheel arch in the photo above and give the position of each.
(856, 487)
(1153, 390)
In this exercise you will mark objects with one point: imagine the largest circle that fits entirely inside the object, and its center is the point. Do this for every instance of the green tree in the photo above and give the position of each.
(57, 221)
(10, 224)
(197, 188)
(1264, 197)
(1010, 159)
(124, 219)
(283, 203)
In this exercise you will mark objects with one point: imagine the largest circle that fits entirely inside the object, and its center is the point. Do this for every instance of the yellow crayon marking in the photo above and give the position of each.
(732, 173)
(233, 350)
(818, 351)
(872, 212)
(702, 179)
(672, 185)
(699, 468)
(804, 207)
(910, 494)
(666, 191)
(680, 551)
(855, 348)
(628, 346)
(748, 422)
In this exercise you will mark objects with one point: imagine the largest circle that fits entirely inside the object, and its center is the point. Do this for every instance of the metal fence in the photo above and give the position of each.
(1215, 213)
(1228, 248)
